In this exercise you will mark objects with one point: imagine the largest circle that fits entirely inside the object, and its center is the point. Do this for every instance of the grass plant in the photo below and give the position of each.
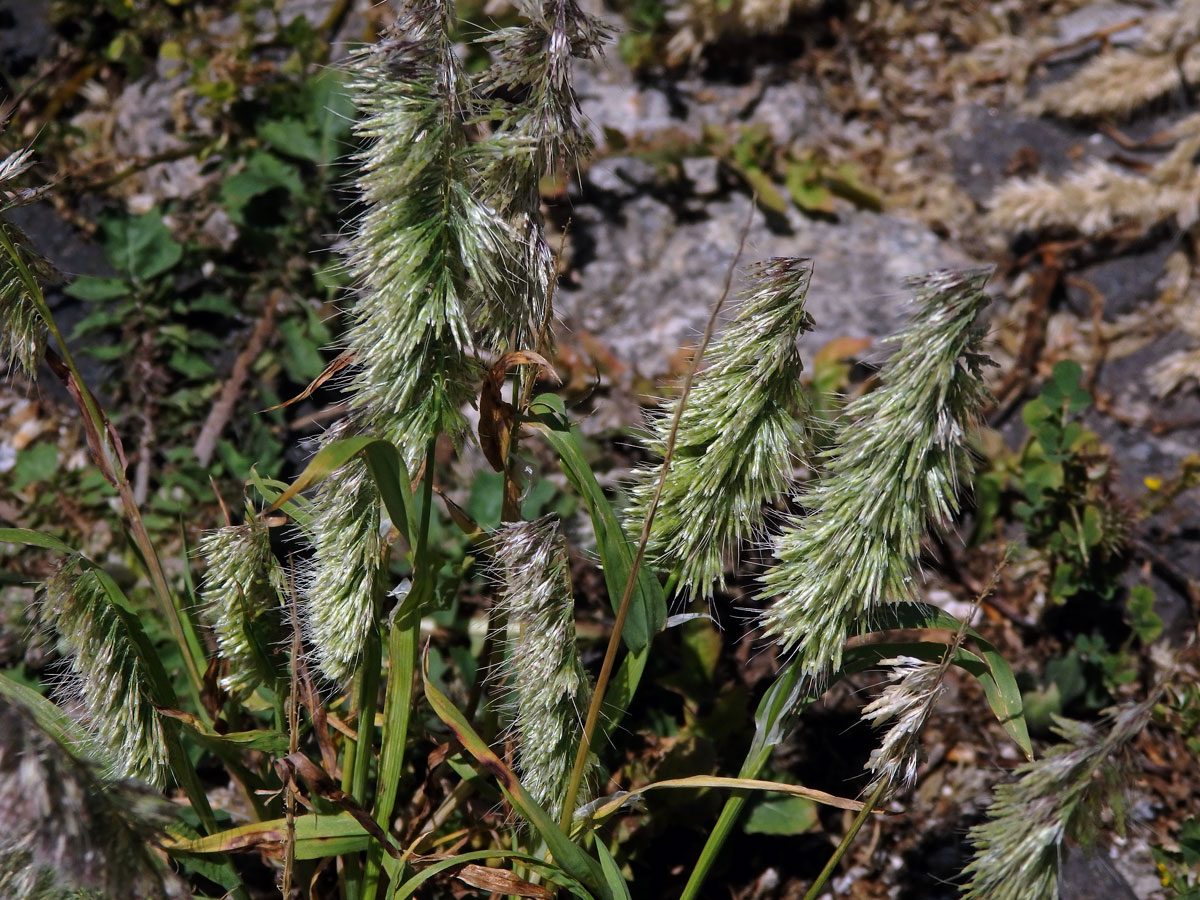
(320, 680)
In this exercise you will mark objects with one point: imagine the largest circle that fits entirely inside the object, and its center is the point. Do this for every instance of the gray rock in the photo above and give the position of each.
(645, 280)
(703, 173)
(1087, 20)
(1091, 877)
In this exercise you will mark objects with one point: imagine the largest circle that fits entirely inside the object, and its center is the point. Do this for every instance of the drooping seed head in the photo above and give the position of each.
(743, 428)
(549, 688)
(891, 472)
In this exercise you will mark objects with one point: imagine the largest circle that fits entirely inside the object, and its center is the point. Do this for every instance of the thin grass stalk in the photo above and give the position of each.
(730, 813)
(756, 760)
(183, 629)
(614, 640)
(397, 710)
(357, 765)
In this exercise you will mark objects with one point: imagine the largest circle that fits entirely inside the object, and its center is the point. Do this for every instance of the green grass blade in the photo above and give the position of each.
(576, 863)
(648, 612)
(552, 873)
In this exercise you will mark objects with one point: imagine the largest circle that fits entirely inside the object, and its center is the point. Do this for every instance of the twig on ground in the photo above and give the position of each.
(222, 410)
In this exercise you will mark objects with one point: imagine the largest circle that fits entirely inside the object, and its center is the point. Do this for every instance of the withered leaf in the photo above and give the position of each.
(502, 881)
(495, 413)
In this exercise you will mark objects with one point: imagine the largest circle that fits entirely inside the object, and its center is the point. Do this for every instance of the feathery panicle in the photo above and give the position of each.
(105, 673)
(344, 584)
(541, 133)
(740, 433)
(907, 702)
(535, 61)
(431, 257)
(22, 331)
(241, 586)
(1056, 798)
(64, 832)
(550, 688)
(1103, 196)
(1120, 81)
(891, 471)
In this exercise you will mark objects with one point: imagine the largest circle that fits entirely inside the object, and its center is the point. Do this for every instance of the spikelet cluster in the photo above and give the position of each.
(105, 675)
(540, 133)
(241, 586)
(906, 703)
(891, 472)
(1120, 81)
(742, 430)
(65, 832)
(22, 331)
(430, 255)
(1104, 196)
(1054, 799)
(344, 583)
(548, 686)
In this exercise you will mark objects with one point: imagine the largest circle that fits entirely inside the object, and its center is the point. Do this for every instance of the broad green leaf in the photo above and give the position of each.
(808, 192)
(191, 365)
(303, 359)
(1035, 411)
(330, 110)
(648, 609)
(316, 837)
(274, 743)
(1066, 376)
(621, 690)
(1147, 624)
(93, 289)
(290, 137)
(36, 463)
(386, 467)
(264, 172)
(784, 816)
(576, 863)
(764, 189)
(140, 245)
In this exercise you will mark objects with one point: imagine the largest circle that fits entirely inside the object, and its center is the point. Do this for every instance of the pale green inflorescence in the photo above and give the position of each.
(892, 470)
(67, 833)
(1055, 799)
(549, 687)
(906, 703)
(241, 585)
(451, 259)
(22, 331)
(742, 430)
(105, 674)
(431, 257)
(540, 133)
(345, 582)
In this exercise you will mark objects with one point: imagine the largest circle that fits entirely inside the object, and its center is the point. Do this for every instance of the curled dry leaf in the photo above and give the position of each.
(343, 359)
(496, 414)
(502, 881)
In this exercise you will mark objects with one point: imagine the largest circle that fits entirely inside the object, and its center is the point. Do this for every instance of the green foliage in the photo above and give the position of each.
(309, 696)
(1067, 507)
(1179, 869)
